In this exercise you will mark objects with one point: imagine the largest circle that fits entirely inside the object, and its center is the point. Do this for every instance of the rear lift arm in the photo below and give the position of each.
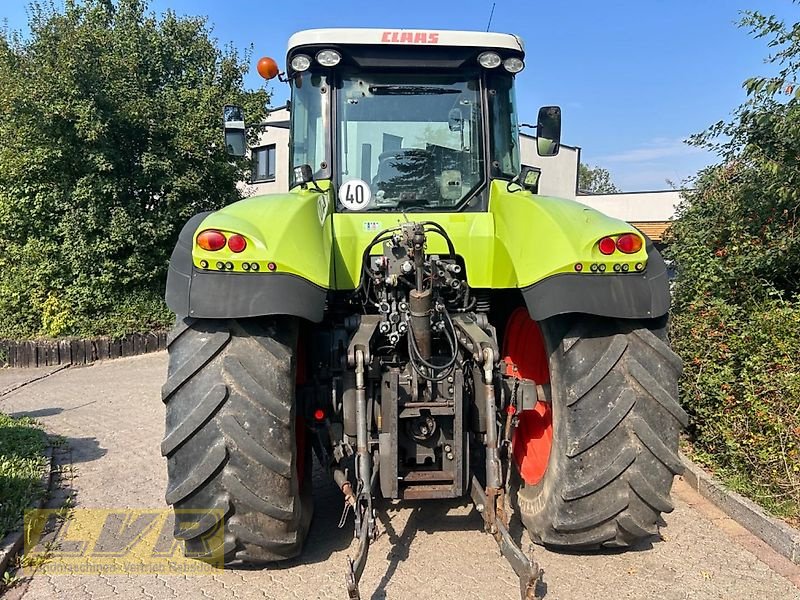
(358, 356)
(490, 502)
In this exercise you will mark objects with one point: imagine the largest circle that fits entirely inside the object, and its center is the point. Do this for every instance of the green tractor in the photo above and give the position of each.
(414, 314)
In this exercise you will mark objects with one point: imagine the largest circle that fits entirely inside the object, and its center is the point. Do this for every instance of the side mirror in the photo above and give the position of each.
(234, 129)
(548, 131)
(528, 178)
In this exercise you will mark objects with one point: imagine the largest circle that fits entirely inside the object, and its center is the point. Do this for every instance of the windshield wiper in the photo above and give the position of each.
(399, 90)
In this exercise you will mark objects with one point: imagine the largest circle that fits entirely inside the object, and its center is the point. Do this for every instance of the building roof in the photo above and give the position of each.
(401, 37)
(655, 230)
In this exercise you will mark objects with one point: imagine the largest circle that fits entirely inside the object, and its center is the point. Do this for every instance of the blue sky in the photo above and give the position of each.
(634, 77)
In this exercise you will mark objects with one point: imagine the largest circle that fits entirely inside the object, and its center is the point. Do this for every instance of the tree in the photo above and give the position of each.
(739, 229)
(110, 139)
(595, 180)
(736, 307)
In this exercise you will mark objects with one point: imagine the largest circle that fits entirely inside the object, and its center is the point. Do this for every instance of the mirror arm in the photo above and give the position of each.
(316, 187)
(520, 180)
(514, 181)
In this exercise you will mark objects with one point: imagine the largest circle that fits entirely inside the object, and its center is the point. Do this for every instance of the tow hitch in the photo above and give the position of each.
(418, 407)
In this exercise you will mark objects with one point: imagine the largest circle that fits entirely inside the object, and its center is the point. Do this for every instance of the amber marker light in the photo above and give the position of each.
(211, 240)
(267, 68)
(629, 243)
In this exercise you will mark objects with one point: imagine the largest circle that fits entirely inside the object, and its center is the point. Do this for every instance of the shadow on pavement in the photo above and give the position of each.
(36, 414)
(325, 537)
(427, 516)
(85, 449)
(49, 412)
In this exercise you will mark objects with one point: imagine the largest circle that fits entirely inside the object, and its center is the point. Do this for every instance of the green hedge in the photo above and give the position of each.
(736, 309)
(741, 386)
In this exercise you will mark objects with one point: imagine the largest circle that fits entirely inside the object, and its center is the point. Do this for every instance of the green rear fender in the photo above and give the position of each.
(539, 237)
(290, 231)
(548, 248)
(285, 268)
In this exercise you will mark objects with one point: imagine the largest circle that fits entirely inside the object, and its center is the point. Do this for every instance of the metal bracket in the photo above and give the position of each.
(527, 569)
(356, 567)
(361, 338)
(473, 337)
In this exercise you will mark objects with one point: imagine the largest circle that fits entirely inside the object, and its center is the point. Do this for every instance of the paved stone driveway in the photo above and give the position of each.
(112, 417)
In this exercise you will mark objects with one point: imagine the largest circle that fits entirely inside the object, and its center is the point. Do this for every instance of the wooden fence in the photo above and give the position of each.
(46, 353)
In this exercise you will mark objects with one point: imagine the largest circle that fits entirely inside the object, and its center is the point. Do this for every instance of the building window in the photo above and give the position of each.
(392, 142)
(263, 164)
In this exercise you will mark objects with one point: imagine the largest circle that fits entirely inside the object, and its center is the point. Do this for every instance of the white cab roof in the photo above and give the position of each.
(406, 37)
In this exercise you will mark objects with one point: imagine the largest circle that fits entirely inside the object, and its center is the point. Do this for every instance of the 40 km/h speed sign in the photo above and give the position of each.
(355, 194)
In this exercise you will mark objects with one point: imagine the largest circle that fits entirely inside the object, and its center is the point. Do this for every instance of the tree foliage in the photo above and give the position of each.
(110, 139)
(736, 315)
(595, 180)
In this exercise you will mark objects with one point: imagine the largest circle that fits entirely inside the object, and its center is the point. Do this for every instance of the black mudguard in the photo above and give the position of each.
(213, 295)
(623, 296)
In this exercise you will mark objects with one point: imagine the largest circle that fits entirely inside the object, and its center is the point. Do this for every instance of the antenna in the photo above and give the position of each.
(491, 14)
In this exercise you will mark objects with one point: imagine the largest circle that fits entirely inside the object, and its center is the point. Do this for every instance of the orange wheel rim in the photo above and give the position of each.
(526, 358)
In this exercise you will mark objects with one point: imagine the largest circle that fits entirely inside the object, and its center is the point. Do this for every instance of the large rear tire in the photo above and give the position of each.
(615, 427)
(233, 442)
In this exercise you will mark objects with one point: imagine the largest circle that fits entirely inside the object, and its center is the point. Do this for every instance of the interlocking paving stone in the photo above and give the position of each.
(112, 416)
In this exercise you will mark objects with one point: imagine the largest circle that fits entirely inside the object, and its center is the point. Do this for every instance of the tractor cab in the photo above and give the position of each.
(399, 120)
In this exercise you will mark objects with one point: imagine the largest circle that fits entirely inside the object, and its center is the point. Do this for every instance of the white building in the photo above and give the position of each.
(651, 212)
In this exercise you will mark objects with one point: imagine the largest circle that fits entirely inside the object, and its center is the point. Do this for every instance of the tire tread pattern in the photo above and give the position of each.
(615, 438)
(230, 439)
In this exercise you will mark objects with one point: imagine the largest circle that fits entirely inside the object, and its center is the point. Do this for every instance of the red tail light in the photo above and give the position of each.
(629, 243)
(319, 414)
(210, 239)
(607, 246)
(237, 243)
